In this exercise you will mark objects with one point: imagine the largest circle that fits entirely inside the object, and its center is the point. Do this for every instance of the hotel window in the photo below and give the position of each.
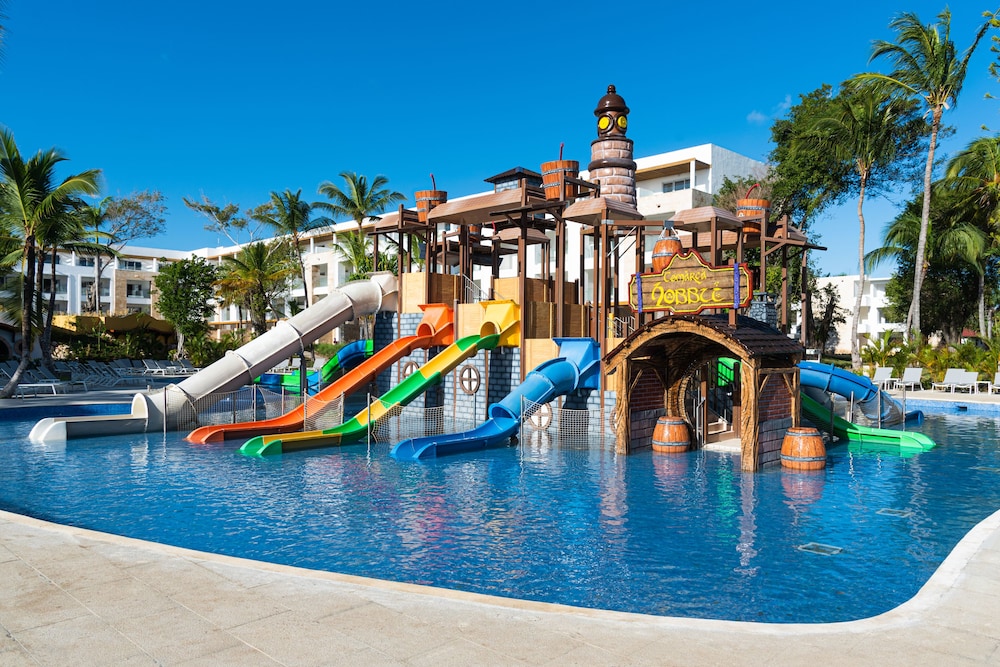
(138, 290)
(677, 186)
(85, 261)
(130, 265)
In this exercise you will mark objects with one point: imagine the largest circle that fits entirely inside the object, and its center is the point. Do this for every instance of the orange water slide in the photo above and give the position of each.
(435, 329)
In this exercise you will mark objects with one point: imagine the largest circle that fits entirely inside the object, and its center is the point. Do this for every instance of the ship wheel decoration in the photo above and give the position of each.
(541, 418)
(469, 379)
(409, 368)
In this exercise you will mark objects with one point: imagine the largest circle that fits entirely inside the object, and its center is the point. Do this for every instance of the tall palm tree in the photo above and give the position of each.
(952, 243)
(58, 232)
(975, 173)
(869, 130)
(926, 65)
(259, 273)
(289, 215)
(358, 200)
(30, 198)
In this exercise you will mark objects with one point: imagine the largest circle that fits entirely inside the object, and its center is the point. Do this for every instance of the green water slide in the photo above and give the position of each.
(857, 434)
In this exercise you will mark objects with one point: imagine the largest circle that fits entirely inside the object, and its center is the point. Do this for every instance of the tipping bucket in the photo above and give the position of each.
(803, 449)
(428, 199)
(666, 246)
(752, 212)
(552, 173)
(671, 435)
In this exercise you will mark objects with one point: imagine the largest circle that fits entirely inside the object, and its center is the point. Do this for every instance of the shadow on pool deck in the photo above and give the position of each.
(73, 596)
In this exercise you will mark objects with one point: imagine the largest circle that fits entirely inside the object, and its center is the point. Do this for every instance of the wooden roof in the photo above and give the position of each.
(700, 219)
(595, 209)
(749, 339)
(475, 210)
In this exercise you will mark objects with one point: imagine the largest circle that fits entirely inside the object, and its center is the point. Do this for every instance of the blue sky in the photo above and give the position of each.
(232, 100)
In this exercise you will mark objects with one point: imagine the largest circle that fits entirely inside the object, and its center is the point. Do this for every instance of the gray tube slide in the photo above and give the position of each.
(164, 409)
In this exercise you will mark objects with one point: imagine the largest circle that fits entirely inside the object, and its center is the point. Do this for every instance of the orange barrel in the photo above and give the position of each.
(667, 245)
(671, 435)
(428, 199)
(803, 449)
(552, 173)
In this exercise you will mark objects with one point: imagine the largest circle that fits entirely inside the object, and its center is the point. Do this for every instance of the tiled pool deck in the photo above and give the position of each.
(70, 596)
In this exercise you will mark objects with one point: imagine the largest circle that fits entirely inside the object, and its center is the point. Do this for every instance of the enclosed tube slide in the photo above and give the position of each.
(435, 329)
(239, 367)
(576, 368)
(876, 404)
(346, 358)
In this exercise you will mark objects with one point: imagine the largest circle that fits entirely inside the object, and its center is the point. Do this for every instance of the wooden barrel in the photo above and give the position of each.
(803, 449)
(552, 173)
(428, 199)
(664, 250)
(671, 435)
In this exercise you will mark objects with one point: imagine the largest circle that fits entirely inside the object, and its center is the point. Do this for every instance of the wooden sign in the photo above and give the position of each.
(688, 285)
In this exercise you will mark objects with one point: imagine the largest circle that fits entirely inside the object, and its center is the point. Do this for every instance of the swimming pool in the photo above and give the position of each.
(686, 535)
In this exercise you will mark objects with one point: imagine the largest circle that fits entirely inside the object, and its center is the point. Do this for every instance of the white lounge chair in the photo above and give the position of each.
(883, 377)
(953, 377)
(995, 385)
(911, 379)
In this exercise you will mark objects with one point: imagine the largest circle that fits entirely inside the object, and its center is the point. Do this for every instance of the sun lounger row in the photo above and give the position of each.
(959, 379)
(882, 378)
(955, 379)
(34, 381)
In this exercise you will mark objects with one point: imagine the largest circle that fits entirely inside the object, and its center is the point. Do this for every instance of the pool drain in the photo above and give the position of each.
(899, 514)
(821, 549)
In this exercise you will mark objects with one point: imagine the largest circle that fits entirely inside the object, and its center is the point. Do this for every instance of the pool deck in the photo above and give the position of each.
(74, 596)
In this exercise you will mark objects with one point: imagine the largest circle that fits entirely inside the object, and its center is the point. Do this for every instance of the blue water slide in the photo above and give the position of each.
(829, 378)
(576, 368)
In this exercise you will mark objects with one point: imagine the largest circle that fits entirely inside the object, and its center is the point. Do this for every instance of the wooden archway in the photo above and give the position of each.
(669, 347)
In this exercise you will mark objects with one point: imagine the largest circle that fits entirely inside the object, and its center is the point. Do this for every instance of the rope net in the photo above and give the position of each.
(551, 424)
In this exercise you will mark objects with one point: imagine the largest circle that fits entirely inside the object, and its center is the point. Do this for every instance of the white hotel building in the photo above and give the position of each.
(666, 183)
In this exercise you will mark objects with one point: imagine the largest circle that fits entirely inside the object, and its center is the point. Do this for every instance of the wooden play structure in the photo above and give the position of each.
(661, 349)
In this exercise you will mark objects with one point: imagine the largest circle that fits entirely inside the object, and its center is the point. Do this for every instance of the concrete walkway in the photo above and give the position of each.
(70, 596)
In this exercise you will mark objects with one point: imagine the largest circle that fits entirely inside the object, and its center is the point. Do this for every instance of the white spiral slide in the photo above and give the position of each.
(236, 369)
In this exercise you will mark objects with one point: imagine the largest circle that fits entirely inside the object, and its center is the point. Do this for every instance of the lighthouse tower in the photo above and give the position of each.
(611, 162)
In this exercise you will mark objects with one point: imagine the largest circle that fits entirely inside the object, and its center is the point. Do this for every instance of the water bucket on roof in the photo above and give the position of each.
(671, 435)
(752, 212)
(428, 199)
(552, 175)
(667, 245)
(803, 449)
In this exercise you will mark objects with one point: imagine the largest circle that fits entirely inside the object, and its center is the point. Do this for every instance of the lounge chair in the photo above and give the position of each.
(953, 377)
(883, 377)
(911, 379)
(995, 385)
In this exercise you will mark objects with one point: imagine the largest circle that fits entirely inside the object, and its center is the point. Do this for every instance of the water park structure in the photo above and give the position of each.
(667, 332)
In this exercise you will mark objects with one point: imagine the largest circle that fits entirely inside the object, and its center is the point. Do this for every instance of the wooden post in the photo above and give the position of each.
(560, 277)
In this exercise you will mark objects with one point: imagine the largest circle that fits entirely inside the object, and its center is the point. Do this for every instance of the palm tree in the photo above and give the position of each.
(925, 65)
(60, 231)
(952, 243)
(258, 273)
(358, 200)
(975, 173)
(30, 199)
(289, 215)
(868, 130)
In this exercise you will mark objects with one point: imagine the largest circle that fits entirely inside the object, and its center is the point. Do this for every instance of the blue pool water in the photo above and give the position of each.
(685, 535)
